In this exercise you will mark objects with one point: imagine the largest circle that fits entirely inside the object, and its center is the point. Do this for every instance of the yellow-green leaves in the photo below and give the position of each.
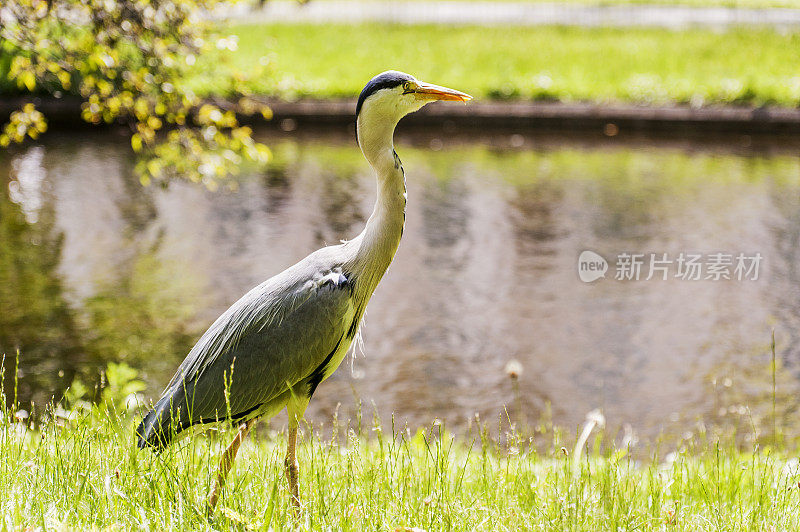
(136, 142)
(27, 122)
(126, 59)
(27, 79)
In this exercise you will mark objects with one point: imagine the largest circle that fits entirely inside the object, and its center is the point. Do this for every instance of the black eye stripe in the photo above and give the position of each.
(386, 80)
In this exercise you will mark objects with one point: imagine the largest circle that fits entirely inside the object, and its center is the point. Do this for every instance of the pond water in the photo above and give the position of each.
(95, 268)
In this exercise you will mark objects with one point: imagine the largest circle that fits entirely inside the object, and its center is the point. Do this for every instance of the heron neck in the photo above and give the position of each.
(380, 238)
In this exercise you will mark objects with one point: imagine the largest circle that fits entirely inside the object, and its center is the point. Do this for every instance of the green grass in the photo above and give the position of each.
(648, 66)
(603, 65)
(86, 473)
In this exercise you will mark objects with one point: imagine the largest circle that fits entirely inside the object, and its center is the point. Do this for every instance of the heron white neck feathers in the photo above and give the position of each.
(380, 238)
(385, 100)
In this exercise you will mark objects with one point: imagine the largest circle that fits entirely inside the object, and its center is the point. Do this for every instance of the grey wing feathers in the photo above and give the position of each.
(260, 307)
(265, 343)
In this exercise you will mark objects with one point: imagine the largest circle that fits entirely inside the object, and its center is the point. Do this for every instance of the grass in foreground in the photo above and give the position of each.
(86, 473)
(648, 66)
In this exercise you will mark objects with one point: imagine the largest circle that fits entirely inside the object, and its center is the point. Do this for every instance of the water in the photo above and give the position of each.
(94, 268)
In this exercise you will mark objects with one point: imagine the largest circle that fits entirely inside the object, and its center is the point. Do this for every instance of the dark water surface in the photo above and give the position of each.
(95, 268)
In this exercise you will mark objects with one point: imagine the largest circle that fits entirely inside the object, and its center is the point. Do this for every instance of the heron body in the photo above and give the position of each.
(274, 346)
(239, 369)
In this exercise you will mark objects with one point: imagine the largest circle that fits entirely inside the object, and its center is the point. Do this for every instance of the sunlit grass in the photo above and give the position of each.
(647, 66)
(82, 470)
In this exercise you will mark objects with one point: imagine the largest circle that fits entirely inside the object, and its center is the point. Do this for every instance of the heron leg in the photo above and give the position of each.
(225, 465)
(292, 469)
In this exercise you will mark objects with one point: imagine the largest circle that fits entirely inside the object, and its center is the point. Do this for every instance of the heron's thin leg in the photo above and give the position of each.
(292, 469)
(225, 465)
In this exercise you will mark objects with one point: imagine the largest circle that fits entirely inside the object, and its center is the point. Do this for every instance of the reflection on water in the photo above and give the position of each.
(94, 268)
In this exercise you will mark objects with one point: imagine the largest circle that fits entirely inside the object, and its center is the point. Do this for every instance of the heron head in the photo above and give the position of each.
(392, 95)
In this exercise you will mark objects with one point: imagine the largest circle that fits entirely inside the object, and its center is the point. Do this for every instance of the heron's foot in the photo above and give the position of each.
(292, 476)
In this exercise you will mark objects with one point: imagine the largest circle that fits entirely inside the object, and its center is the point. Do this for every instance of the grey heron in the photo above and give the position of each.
(272, 348)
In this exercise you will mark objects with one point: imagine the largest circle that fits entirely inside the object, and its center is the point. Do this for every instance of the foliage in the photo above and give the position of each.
(119, 389)
(27, 122)
(126, 60)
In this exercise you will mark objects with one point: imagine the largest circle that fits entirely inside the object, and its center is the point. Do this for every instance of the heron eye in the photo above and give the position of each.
(407, 88)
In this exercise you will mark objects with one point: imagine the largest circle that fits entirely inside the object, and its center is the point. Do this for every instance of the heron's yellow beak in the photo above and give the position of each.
(428, 91)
